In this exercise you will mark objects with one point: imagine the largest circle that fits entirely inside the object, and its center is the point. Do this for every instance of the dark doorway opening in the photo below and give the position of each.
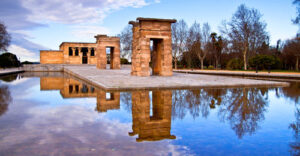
(84, 55)
(156, 48)
(110, 56)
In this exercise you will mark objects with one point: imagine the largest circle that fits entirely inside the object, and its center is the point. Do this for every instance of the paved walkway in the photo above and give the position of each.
(8, 71)
(122, 80)
(242, 73)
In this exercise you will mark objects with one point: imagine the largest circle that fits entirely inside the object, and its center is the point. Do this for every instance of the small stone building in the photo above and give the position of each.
(106, 49)
(107, 44)
(152, 46)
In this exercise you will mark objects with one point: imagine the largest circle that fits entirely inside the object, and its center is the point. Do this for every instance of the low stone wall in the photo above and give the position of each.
(44, 67)
(56, 67)
(43, 74)
(243, 74)
(9, 71)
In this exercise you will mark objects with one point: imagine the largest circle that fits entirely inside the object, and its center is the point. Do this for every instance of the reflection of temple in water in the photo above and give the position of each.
(151, 126)
(107, 101)
(150, 123)
(70, 88)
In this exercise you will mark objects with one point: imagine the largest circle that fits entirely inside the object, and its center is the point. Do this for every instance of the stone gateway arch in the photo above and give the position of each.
(151, 47)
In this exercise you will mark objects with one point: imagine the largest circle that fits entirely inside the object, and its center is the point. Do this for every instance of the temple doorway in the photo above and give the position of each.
(84, 55)
(110, 56)
(156, 48)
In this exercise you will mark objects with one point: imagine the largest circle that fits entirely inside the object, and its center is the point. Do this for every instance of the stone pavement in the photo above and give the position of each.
(8, 71)
(122, 80)
(242, 73)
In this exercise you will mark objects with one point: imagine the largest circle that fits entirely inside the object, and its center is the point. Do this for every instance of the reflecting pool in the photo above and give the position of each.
(56, 114)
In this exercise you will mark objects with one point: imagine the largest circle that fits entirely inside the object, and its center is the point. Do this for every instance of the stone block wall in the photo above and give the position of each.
(51, 57)
(103, 42)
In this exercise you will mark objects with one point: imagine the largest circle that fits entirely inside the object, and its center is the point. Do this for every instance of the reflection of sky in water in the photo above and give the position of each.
(43, 121)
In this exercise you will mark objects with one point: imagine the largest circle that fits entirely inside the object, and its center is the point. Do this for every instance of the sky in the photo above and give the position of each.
(42, 24)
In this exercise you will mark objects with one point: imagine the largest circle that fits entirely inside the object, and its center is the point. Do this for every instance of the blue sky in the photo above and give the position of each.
(44, 24)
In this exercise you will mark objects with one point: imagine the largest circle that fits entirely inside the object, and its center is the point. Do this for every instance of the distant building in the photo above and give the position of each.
(86, 53)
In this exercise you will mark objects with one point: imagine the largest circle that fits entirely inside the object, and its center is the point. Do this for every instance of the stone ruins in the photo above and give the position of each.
(151, 49)
(113, 43)
(86, 53)
(151, 46)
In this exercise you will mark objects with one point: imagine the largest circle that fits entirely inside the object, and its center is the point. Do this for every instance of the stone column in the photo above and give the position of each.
(73, 51)
(101, 56)
(89, 55)
(89, 51)
(80, 55)
(116, 57)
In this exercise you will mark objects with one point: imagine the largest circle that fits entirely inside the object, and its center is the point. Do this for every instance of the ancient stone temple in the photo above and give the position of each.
(151, 47)
(155, 126)
(70, 53)
(108, 44)
(86, 53)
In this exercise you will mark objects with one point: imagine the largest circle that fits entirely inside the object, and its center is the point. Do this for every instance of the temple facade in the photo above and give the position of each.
(106, 49)
(151, 47)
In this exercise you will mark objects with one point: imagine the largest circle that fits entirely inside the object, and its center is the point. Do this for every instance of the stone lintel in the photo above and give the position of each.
(134, 23)
(76, 43)
(156, 20)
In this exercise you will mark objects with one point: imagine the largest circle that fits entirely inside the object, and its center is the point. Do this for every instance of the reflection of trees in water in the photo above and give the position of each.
(292, 92)
(9, 78)
(197, 102)
(5, 99)
(125, 98)
(243, 108)
(295, 146)
(178, 104)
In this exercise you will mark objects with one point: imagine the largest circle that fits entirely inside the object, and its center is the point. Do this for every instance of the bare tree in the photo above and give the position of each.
(292, 50)
(246, 31)
(204, 43)
(4, 38)
(193, 44)
(179, 35)
(126, 41)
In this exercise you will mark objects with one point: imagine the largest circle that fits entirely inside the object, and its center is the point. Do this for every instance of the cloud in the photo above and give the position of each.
(46, 128)
(22, 53)
(88, 31)
(15, 16)
(76, 11)
(22, 16)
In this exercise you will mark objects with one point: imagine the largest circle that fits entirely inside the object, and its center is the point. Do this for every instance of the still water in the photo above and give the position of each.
(55, 114)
